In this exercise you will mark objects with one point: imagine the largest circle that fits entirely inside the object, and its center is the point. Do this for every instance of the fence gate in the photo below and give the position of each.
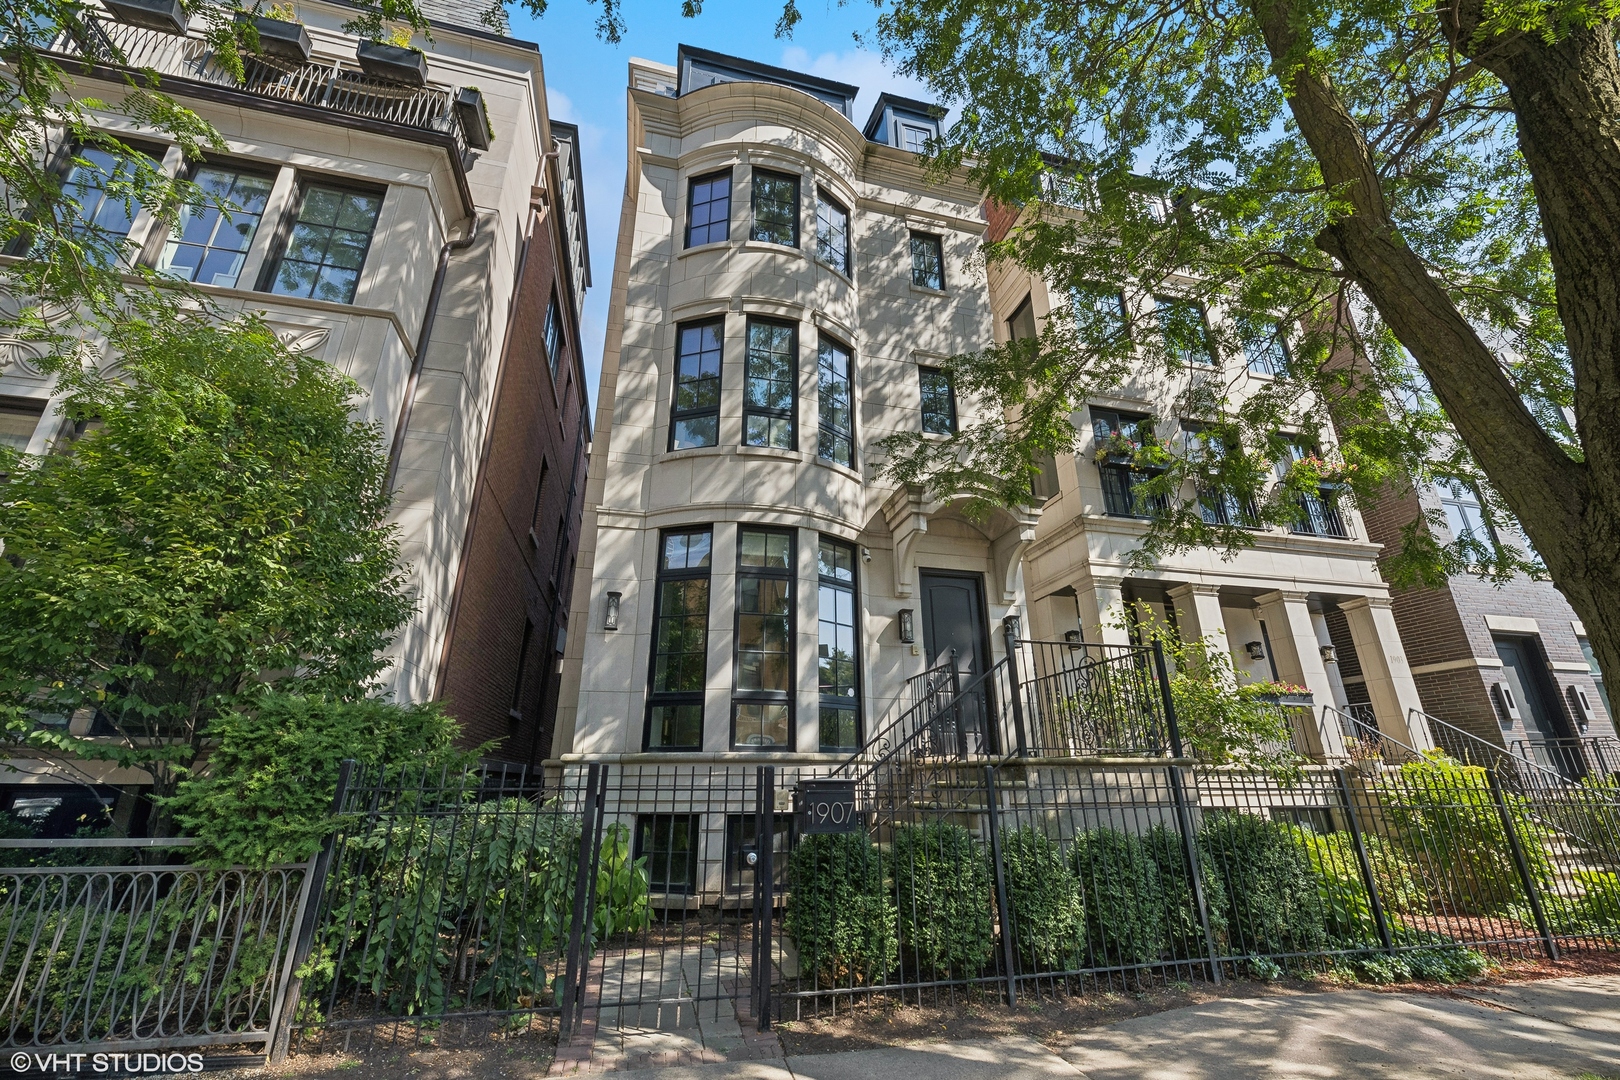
(686, 945)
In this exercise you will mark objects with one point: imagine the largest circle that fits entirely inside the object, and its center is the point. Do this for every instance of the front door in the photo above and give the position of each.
(954, 618)
(1521, 670)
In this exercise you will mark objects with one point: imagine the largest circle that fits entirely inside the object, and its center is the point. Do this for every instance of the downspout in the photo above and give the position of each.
(397, 451)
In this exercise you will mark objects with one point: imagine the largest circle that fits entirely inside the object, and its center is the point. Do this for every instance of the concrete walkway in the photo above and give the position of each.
(1557, 1029)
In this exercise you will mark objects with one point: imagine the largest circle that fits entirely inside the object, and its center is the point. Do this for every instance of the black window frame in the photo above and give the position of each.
(61, 168)
(786, 697)
(175, 231)
(753, 205)
(937, 243)
(839, 702)
(676, 413)
(1457, 493)
(20, 406)
(678, 699)
(791, 413)
(1119, 482)
(725, 219)
(658, 875)
(1320, 515)
(553, 336)
(841, 264)
(1268, 356)
(923, 373)
(1217, 508)
(1203, 357)
(824, 430)
(292, 218)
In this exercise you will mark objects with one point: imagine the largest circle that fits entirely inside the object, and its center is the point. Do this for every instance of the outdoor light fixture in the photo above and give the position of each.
(908, 629)
(1011, 624)
(1330, 655)
(866, 554)
(1510, 705)
(1255, 649)
(1582, 706)
(1072, 636)
(612, 620)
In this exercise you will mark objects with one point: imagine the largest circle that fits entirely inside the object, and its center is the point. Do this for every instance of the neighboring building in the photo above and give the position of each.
(1303, 605)
(1470, 640)
(439, 259)
(783, 291)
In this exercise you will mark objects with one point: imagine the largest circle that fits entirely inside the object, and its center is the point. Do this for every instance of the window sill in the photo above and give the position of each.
(844, 470)
(771, 452)
(937, 436)
(842, 275)
(694, 451)
(923, 290)
(698, 249)
(778, 249)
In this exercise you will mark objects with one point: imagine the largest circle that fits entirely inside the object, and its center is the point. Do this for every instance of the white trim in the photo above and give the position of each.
(1570, 666)
(1511, 624)
(1578, 626)
(1455, 665)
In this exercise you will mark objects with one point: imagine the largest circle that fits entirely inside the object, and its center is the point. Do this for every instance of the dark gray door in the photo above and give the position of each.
(953, 618)
(1523, 672)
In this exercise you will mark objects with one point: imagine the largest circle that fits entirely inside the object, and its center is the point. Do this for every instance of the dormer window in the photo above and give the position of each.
(914, 138)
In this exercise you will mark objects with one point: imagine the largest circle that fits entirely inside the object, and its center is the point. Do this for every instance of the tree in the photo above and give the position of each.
(1426, 200)
(220, 528)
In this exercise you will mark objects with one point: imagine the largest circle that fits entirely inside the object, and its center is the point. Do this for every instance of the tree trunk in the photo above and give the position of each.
(1570, 104)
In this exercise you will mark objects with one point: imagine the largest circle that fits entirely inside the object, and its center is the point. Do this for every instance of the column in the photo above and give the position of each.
(1295, 650)
(1198, 615)
(1102, 610)
(1383, 662)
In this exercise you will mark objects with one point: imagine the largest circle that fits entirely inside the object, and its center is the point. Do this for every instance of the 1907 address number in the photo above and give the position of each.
(828, 806)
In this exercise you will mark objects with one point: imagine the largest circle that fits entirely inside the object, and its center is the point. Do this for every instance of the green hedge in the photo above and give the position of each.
(1273, 897)
(1124, 898)
(943, 890)
(1048, 914)
(1184, 931)
(839, 914)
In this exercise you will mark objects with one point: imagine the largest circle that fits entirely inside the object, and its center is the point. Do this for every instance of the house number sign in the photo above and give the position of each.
(828, 806)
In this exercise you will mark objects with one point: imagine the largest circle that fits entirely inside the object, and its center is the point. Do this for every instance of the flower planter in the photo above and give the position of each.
(165, 15)
(391, 63)
(473, 117)
(1306, 700)
(1127, 460)
(279, 38)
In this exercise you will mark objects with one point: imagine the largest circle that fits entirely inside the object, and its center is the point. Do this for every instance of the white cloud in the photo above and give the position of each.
(859, 67)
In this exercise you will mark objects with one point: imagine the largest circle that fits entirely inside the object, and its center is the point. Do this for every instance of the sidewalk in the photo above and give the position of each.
(1557, 1029)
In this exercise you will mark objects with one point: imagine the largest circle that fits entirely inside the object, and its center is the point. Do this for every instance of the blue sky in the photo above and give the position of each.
(585, 81)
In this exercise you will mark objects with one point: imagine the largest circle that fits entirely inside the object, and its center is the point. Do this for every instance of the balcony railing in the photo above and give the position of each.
(1321, 518)
(327, 86)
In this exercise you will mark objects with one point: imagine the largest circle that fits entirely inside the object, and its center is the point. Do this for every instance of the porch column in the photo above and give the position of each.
(1299, 660)
(1383, 662)
(1102, 610)
(1198, 615)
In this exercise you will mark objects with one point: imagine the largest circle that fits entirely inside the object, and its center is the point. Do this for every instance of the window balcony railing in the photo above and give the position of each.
(1219, 508)
(1321, 518)
(318, 85)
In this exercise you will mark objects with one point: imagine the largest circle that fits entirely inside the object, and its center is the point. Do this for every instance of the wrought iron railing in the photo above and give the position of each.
(1321, 518)
(321, 85)
(1589, 756)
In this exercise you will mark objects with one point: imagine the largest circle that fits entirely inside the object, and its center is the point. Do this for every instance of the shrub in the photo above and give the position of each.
(1048, 916)
(1272, 897)
(1443, 816)
(1124, 898)
(942, 887)
(1184, 931)
(838, 913)
(1346, 908)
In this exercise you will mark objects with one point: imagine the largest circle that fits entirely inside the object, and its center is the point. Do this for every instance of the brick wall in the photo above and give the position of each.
(518, 560)
(1000, 218)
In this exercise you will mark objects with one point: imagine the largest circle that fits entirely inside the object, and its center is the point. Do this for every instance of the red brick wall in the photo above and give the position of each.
(512, 569)
(1000, 217)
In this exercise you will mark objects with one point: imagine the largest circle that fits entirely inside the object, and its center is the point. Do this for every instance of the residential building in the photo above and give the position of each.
(423, 233)
(1303, 605)
(786, 285)
(1506, 664)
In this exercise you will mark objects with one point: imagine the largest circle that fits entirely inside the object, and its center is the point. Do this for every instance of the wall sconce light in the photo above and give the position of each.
(1255, 649)
(1072, 636)
(1330, 655)
(1510, 705)
(908, 626)
(1012, 624)
(866, 554)
(1582, 706)
(612, 620)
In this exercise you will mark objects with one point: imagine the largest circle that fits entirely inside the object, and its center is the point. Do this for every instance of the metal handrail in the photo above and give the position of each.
(923, 680)
(967, 690)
